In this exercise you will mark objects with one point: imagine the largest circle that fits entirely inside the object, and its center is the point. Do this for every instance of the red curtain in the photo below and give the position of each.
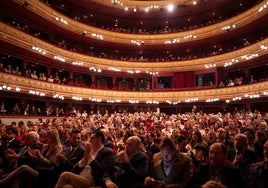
(184, 79)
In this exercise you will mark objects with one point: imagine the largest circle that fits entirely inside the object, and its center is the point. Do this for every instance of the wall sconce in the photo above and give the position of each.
(84, 33)
(25, 4)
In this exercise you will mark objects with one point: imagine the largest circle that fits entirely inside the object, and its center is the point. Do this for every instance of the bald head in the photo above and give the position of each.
(133, 145)
(135, 140)
(217, 155)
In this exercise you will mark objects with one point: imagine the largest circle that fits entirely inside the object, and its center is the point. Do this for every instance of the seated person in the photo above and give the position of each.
(131, 166)
(170, 167)
(27, 176)
(241, 155)
(258, 172)
(217, 172)
(8, 143)
(65, 160)
(71, 154)
(90, 170)
(181, 143)
(150, 146)
(200, 154)
(31, 141)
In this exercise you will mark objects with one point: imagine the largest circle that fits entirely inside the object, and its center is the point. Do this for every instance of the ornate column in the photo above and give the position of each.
(114, 81)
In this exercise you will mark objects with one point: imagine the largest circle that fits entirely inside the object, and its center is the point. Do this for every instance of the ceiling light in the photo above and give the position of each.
(170, 8)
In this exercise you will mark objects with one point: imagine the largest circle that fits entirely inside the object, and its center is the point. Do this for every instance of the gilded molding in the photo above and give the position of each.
(25, 41)
(140, 3)
(51, 89)
(156, 39)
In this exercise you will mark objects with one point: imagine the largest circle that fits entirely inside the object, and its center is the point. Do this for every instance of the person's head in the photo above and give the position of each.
(168, 124)
(58, 124)
(31, 138)
(11, 132)
(217, 155)
(240, 142)
(260, 136)
(133, 145)
(201, 151)
(167, 148)
(265, 151)
(262, 125)
(149, 138)
(21, 125)
(181, 142)
(13, 124)
(32, 126)
(211, 135)
(250, 135)
(126, 135)
(66, 134)
(97, 139)
(52, 137)
(197, 136)
(75, 138)
(221, 134)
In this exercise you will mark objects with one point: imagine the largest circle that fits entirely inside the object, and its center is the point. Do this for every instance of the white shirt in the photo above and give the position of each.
(86, 172)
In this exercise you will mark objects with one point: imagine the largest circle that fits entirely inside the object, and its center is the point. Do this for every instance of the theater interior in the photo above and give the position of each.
(127, 56)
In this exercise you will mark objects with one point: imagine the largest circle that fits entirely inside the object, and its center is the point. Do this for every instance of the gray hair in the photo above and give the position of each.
(34, 135)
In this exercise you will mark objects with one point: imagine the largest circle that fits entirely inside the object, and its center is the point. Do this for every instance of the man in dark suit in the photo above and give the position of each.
(131, 166)
(259, 143)
(92, 168)
(22, 157)
(258, 172)
(217, 172)
(170, 167)
(241, 155)
(65, 160)
(9, 143)
(150, 146)
(71, 154)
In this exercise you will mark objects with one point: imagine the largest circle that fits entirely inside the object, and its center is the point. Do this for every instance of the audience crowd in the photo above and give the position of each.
(149, 150)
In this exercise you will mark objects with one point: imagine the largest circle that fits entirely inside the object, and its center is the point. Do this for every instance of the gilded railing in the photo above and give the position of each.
(16, 37)
(50, 89)
(50, 14)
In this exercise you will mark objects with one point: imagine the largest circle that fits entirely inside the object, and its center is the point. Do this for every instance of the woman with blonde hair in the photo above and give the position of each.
(51, 147)
(44, 160)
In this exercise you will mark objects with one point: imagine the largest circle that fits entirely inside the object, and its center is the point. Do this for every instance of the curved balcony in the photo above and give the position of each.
(12, 36)
(241, 20)
(69, 92)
